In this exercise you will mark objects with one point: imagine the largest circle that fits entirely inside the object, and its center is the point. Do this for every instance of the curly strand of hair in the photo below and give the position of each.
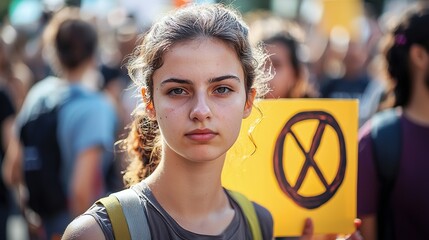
(143, 154)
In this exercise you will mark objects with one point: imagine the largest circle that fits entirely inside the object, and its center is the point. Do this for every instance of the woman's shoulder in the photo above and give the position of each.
(83, 227)
(99, 213)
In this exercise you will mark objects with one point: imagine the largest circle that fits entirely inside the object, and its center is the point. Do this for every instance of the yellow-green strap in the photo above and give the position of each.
(249, 211)
(117, 217)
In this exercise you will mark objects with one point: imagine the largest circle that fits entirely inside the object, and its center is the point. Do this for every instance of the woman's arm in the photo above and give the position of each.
(82, 228)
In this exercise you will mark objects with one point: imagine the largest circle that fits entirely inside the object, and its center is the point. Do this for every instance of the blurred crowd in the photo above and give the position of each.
(313, 54)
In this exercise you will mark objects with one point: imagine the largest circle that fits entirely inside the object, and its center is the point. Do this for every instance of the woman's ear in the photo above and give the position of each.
(148, 104)
(249, 103)
(419, 56)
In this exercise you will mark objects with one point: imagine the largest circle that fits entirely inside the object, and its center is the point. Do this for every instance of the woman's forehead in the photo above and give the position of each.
(199, 58)
(196, 43)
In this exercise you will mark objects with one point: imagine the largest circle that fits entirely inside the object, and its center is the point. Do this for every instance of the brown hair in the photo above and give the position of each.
(188, 23)
(69, 40)
(411, 29)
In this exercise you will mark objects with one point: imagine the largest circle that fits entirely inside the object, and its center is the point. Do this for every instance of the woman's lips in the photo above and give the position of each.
(201, 135)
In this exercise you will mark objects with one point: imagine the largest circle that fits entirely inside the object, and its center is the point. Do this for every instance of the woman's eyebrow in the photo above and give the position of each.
(211, 80)
(221, 78)
(176, 80)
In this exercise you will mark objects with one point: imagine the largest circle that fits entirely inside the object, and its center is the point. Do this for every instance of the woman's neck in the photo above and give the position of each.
(418, 109)
(192, 193)
(180, 181)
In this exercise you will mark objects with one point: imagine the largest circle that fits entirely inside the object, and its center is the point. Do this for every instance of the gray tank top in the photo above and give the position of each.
(162, 226)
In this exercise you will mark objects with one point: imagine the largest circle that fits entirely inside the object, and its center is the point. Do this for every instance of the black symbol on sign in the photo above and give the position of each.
(310, 202)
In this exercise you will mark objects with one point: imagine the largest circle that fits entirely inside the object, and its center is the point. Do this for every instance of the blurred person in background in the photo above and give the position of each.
(14, 69)
(118, 35)
(126, 37)
(356, 82)
(9, 70)
(113, 87)
(283, 40)
(12, 93)
(392, 188)
(346, 67)
(86, 123)
(7, 116)
(291, 78)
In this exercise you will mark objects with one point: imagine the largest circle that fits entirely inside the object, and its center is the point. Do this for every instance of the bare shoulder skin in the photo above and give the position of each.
(82, 228)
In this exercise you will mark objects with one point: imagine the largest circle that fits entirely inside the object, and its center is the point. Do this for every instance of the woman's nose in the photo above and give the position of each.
(200, 109)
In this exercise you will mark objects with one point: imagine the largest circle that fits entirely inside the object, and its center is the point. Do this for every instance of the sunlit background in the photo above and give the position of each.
(334, 21)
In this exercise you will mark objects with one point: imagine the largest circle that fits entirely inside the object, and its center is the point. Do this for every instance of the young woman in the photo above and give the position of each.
(396, 207)
(199, 78)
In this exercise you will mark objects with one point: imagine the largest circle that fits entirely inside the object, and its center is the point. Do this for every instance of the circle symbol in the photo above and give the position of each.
(290, 190)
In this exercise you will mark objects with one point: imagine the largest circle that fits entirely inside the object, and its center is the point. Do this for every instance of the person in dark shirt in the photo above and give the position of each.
(407, 55)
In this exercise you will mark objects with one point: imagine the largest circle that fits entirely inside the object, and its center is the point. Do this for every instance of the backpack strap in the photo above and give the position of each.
(249, 211)
(132, 222)
(134, 213)
(386, 137)
(117, 217)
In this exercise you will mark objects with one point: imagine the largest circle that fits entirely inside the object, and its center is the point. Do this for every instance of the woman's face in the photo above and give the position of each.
(199, 99)
(284, 77)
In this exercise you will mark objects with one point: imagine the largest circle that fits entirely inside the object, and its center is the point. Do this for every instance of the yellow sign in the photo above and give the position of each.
(299, 161)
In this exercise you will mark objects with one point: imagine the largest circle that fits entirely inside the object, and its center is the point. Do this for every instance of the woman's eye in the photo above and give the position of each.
(223, 90)
(176, 91)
